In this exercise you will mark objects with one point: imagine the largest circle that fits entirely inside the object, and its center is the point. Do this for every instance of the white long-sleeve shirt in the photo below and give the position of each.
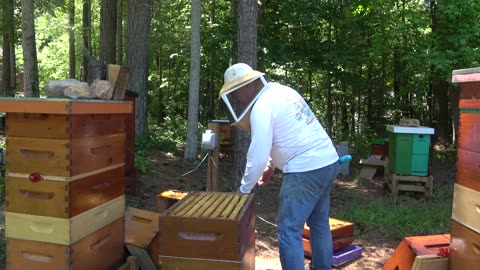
(284, 128)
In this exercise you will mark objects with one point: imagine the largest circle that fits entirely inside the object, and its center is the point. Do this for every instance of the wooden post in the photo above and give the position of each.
(213, 183)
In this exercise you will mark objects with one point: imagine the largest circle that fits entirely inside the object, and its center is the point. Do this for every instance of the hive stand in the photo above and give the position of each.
(397, 182)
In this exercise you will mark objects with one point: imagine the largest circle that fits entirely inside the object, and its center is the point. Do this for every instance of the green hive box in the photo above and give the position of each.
(409, 149)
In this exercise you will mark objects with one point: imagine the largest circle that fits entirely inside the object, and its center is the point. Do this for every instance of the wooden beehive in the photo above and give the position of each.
(465, 230)
(247, 261)
(100, 250)
(141, 236)
(63, 199)
(65, 182)
(418, 250)
(342, 235)
(208, 225)
(64, 231)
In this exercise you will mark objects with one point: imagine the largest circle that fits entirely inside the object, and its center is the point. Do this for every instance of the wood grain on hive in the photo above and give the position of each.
(65, 183)
(208, 225)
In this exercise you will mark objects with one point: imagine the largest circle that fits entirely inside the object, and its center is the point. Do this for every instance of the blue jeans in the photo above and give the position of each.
(305, 197)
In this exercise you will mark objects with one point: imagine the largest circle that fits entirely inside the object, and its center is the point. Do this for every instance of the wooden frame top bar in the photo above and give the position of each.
(466, 75)
(64, 106)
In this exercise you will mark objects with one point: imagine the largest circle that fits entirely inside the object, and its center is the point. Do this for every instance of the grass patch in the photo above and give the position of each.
(395, 216)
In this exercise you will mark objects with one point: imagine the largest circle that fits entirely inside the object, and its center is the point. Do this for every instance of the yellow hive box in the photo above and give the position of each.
(63, 231)
(465, 210)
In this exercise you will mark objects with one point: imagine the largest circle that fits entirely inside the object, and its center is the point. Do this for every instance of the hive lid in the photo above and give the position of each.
(410, 130)
(466, 75)
(64, 106)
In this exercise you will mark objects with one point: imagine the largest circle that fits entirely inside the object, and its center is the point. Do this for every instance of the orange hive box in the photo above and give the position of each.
(63, 199)
(419, 252)
(210, 226)
(168, 198)
(342, 235)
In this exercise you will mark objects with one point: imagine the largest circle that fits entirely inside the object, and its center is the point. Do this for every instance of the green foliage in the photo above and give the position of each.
(164, 138)
(399, 216)
(360, 64)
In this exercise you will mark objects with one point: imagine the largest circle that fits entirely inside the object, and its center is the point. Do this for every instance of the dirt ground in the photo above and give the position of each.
(165, 172)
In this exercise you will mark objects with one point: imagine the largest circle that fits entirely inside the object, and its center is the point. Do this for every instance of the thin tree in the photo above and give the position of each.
(120, 5)
(29, 50)
(191, 149)
(7, 22)
(108, 31)
(138, 43)
(247, 53)
(86, 34)
(71, 38)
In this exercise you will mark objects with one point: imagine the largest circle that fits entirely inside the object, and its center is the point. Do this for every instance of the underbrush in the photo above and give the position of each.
(399, 215)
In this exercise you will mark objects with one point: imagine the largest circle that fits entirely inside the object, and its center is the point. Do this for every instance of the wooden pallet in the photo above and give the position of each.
(397, 182)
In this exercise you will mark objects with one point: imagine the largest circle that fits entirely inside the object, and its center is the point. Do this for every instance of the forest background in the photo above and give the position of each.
(360, 64)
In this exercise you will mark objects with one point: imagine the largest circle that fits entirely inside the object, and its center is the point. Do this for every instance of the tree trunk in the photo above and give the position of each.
(160, 94)
(108, 31)
(138, 44)
(191, 149)
(247, 53)
(212, 93)
(86, 34)
(29, 50)
(71, 38)
(7, 22)
(443, 129)
(5, 91)
(440, 96)
(233, 44)
(119, 60)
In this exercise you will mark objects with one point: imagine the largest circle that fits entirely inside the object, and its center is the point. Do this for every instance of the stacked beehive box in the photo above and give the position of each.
(65, 183)
(465, 229)
(208, 231)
